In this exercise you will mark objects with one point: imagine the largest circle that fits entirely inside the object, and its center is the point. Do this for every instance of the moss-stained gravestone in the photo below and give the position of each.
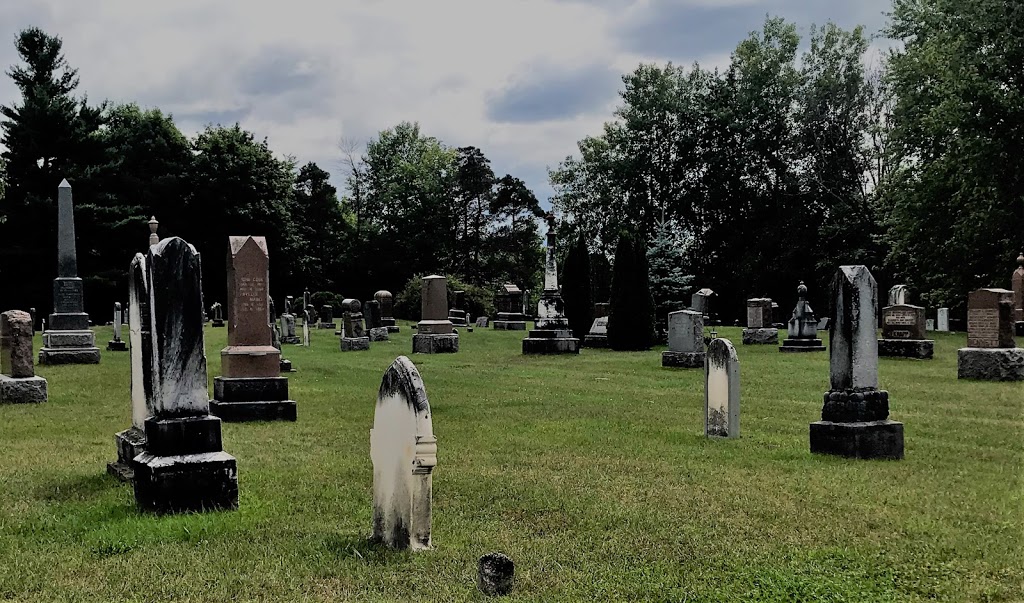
(721, 390)
(404, 452)
(19, 383)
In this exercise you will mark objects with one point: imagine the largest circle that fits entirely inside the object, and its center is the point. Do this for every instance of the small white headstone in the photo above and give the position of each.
(721, 390)
(305, 330)
(943, 320)
(404, 452)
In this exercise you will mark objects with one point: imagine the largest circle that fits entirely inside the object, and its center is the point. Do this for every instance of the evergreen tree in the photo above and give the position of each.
(631, 315)
(670, 286)
(576, 292)
(600, 278)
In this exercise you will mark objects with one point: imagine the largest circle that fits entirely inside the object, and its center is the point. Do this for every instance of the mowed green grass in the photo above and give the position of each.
(590, 471)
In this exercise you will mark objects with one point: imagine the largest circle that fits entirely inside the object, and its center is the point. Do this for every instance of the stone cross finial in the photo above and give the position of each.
(153, 225)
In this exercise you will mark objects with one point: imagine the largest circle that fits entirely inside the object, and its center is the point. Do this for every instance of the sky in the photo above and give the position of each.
(524, 80)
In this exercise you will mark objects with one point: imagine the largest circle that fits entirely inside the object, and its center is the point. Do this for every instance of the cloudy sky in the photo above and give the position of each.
(521, 79)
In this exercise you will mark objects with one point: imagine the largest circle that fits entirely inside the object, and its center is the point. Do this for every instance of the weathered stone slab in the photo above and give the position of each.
(435, 332)
(378, 334)
(482, 322)
(670, 359)
(721, 390)
(22, 390)
(921, 349)
(404, 453)
(903, 322)
(990, 364)
(854, 356)
(942, 320)
(355, 344)
(16, 344)
(860, 440)
(990, 319)
(435, 343)
(764, 336)
(686, 331)
(598, 335)
(759, 313)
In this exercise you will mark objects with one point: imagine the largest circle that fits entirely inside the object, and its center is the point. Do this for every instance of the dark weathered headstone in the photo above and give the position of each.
(286, 365)
(387, 310)
(510, 315)
(803, 327)
(721, 390)
(375, 328)
(19, 383)
(404, 452)
(434, 333)
(685, 340)
(759, 329)
(701, 301)
(495, 574)
(251, 387)
(184, 467)
(597, 337)
(903, 332)
(354, 337)
(327, 317)
(1017, 284)
(991, 353)
(854, 418)
(217, 313)
(68, 339)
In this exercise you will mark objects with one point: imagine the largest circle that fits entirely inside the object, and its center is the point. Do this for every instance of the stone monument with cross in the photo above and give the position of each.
(551, 333)
(67, 338)
(19, 383)
(250, 387)
(184, 467)
(991, 353)
(855, 415)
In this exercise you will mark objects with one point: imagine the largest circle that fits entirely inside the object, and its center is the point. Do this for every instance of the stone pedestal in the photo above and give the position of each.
(458, 317)
(378, 334)
(597, 337)
(510, 321)
(990, 364)
(328, 325)
(802, 345)
(238, 399)
(286, 366)
(761, 336)
(672, 359)
(389, 324)
(355, 344)
(130, 443)
(22, 390)
(861, 440)
(68, 347)
(435, 343)
(117, 346)
(1018, 328)
(552, 336)
(921, 349)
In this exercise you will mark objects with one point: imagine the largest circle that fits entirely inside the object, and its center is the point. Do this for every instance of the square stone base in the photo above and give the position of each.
(51, 356)
(760, 336)
(865, 440)
(216, 323)
(801, 345)
(252, 399)
(189, 482)
(990, 364)
(595, 341)
(378, 334)
(22, 390)
(393, 328)
(355, 344)
(130, 443)
(682, 359)
(550, 345)
(922, 349)
(509, 325)
(435, 343)
(294, 340)
(328, 325)
(117, 346)
(286, 366)
(1018, 329)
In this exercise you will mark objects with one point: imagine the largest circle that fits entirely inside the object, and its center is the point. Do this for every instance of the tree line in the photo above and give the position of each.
(412, 205)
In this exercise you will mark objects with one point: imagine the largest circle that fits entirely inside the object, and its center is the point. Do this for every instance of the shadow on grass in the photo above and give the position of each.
(80, 488)
(351, 546)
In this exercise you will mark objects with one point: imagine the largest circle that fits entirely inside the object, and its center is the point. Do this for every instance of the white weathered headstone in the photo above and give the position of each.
(897, 295)
(942, 315)
(929, 324)
(722, 390)
(305, 329)
(404, 452)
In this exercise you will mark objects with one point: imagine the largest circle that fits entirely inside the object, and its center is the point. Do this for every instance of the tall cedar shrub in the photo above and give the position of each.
(576, 292)
(631, 315)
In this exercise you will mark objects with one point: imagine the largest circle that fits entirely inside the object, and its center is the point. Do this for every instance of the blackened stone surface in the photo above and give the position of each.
(764, 336)
(922, 349)
(254, 389)
(286, 366)
(595, 341)
(1018, 329)
(187, 435)
(24, 390)
(682, 359)
(68, 302)
(130, 443)
(52, 356)
(495, 574)
(371, 313)
(355, 344)
(238, 412)
(378, 334)
(117, 346)
(509, 325)
(801, 345)
(864, 440)
(435, 343)
(849, 406)
(550, 345)
(990, 364)
(182, 483)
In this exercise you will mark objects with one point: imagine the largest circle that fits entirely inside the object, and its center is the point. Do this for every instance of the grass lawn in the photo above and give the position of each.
(591, 472)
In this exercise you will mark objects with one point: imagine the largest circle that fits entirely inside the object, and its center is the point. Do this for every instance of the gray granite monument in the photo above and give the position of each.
(435, 333)
(991, 353)
(509, 302)
(759, 329)
(685, 340)
(803, 327)
(353, 337)
(288, 334)
(19, 383)
(903, 331)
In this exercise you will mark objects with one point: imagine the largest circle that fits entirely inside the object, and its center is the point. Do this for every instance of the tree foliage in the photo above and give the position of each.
(631, 315)
(576, 289)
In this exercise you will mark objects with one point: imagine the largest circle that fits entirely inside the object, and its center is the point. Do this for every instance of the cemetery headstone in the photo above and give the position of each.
(803, 327)
(353, 337)
(759, 329)
(721, 390)
(307, 302)
(286, 365)
(327, 317)
(217, 311)
(898, 295)
(250, 387)
(19, 383)
(184, 467)
(942, 320)
(551, 333)
(602, 309)
(855, 415)
(124, 314)
(483, 322)
(685, 340)
(131, 442)
(597, 337)
(375, 328)
(509, 302)
(495, 574)
(991, 353)
(1017, 282)
(929, 324)
(435, 333)
(404, 453)
(903, 331)
(457, 313)
(387, 310)
(32, 313)
(68, 340)
(116, 344)
(701, 302)
(305, 329)
(776, 315)
(288, 334)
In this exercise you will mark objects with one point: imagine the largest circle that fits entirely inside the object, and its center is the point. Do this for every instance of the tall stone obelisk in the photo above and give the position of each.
(68, 339)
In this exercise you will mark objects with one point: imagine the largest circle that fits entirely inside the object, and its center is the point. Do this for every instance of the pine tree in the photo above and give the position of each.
(579, 306)
(669, 285)
(631, 315)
